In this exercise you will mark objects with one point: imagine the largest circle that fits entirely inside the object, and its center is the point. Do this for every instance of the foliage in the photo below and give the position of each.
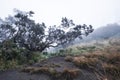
(22, 40)
(97, 64)
(37, 37)
(4, 65)
(11, 56)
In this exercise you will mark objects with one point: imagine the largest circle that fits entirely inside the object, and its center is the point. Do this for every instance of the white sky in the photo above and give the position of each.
(95, 12)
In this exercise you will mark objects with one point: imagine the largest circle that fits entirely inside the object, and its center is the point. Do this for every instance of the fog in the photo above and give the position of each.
(103, 15)
(95, 12)
(110, 31)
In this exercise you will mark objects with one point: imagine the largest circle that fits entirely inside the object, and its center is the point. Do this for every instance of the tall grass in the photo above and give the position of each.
(104, 60)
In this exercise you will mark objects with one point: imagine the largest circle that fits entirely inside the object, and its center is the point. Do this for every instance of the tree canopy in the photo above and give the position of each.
(25, 32)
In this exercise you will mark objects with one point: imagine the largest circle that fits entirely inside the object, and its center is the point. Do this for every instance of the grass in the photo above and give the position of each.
(70, 74)
(104, 58)
(67, 74)
(107, 64)
(85, 63)
(35, 69)
(68, 58)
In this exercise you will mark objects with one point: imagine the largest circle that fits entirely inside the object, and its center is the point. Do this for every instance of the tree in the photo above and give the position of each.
(37, 37)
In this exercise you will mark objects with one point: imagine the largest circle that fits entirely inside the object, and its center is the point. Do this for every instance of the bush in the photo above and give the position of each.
(11, 55)
(10, 64)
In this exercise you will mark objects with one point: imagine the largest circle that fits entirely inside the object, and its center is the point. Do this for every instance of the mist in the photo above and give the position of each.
(109, 31)
(95, 12)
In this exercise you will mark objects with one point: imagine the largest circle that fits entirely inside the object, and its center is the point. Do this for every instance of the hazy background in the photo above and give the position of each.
(95, 12)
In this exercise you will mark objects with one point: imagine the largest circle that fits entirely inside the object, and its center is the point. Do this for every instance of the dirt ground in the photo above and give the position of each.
(58, 63)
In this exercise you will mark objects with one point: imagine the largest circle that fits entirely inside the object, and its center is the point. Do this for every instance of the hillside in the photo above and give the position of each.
(99, 63)
(105, 32)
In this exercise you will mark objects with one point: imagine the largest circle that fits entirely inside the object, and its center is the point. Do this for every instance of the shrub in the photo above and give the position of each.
(4, 65)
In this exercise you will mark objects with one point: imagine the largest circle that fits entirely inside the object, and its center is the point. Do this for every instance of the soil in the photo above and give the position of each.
(59, 65)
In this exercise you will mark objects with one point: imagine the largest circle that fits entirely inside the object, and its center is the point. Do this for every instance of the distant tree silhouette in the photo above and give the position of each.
(23, 31)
